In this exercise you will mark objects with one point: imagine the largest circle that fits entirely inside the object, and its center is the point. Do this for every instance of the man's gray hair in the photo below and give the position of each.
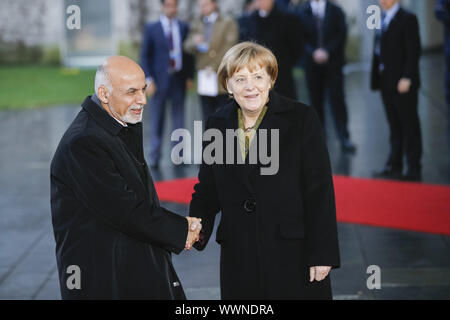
(102, 78)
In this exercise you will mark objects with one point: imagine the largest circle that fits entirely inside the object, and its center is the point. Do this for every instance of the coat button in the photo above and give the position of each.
(176, 284)
(249, 205)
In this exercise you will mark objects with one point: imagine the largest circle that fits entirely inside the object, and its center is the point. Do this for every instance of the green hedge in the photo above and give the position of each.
(29, 86)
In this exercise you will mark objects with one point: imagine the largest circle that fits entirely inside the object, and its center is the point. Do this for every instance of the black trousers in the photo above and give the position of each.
(405, 134)
(323, 80)
(211, 104)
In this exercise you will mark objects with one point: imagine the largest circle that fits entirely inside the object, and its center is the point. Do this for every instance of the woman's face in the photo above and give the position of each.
(250, 89)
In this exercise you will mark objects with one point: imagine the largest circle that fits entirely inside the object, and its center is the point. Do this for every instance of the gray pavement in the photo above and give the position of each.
(414, 265)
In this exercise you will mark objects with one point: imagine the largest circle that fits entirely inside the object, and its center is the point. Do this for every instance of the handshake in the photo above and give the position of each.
(194, 229)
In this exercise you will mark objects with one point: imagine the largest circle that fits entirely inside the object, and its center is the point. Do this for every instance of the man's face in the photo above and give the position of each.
(170, 8)
(265, 5)
(206, 7)
(387, 4)
(127, 99)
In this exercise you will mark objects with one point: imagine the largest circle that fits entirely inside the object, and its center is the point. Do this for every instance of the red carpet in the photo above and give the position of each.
(409, 206)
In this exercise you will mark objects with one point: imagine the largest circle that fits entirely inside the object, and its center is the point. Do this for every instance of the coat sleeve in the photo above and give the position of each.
(99, 186)
(205, 203)
(412, 47)
(188, 58)
(318, 195)
(340, 33)
(189, 44)
(296, 45)
(147, 52)
(230, 38)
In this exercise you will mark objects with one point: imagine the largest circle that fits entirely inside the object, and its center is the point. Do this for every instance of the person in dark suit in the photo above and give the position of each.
(169, 72)
(442, 12)
(324, 36)
(243, 20)
(278, 231)
(280, 32)
(395, 72)
(106, 216)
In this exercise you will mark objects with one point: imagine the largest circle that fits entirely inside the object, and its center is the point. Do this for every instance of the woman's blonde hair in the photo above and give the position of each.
(250, 55)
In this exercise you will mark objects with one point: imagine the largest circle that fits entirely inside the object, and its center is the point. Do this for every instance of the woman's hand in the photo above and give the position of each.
(194, 228)
(404, 85)
(318, 273)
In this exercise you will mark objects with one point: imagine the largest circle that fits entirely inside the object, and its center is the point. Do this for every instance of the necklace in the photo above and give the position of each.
(248, 129)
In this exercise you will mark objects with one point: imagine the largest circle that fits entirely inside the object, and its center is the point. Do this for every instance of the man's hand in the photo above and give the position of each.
(198, 39)
(189, 84)
(321, 56)
(404, 85)
(193, 232)
(151, 88)
(318, 273)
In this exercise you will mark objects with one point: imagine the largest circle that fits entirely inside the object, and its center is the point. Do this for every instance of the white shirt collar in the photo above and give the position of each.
(318, 7)
(212, 17)
(123, 125)
(166, 21)
(98, 102)
(263, 13)
(390, 14)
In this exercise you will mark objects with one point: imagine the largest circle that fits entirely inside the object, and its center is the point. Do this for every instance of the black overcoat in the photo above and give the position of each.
(106, 215)
(273, 227)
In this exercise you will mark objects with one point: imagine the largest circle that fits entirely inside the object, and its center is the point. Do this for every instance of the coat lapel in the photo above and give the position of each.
(325, 20)
(310, 17)
(275, 118)
(392, 24)
(162, 35)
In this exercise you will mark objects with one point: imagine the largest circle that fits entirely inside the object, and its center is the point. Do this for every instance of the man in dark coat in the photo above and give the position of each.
(273, 228)
(324, 36)
(442, 12)
(280, 32)
(113, 240)
(395, 72)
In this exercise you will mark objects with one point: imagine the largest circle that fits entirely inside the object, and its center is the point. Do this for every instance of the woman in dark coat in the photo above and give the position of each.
(278, 231)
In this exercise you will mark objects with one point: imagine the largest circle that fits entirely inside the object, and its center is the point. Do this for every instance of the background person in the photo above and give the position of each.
(211, 35)
(395, 72)
(280, 32)
(324, 34)
(168, 70)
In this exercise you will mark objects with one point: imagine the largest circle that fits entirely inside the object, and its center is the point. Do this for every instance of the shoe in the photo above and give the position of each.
(388, 173)
(413, 176)
(348, 146)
